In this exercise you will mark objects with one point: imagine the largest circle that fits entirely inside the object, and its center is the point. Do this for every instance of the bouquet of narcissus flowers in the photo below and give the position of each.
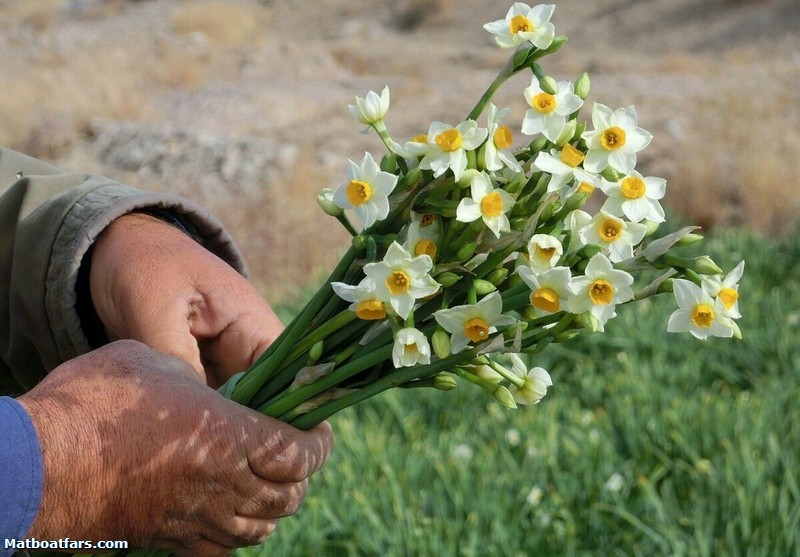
(471, 250)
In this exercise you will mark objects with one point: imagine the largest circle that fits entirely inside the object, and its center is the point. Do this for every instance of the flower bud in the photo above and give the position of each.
(564, 336)
(466, 251)
(440, 342)
(589, 250)
(529, 313)
(582, 86)
(549, 211)
(610, 174)
(538, 144)
(413, 177)
(504, 397)
(521, 55)
(511, 332)
(666, 286)
(472, 159)
(372, 108)
(652, 227)
(466, 177)
(359, 242)
(483, 287)
(548, 84)
(325, 201)
(689, 239)
(444, 382)
(706, 266)
(316, 352)
(576, 201)
(497, 276)
(579, 129)
(567, 133)
(372, 249)
(389, 163)
(447, 279)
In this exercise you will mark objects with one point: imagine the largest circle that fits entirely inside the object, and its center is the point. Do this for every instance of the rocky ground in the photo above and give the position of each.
(243, 104)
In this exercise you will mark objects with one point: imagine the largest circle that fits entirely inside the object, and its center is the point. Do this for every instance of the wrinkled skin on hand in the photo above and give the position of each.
(136, 447)
(153, 283)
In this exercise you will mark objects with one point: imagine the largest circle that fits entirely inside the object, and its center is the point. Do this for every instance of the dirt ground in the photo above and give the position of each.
(242, 105)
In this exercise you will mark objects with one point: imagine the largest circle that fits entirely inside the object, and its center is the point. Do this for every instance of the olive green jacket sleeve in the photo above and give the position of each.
(49, 220)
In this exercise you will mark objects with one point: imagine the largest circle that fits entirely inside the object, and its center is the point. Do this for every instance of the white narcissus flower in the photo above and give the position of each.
(536, 382)
(365, 302)
(549, 113)
(449, 146)
(615, 140)
(544, 251)
(401, 279)
(473, 322)
(726, 290)
(523, 23)
(614, 234)
(411, 347)
(371, 108)
(561, 165)
(549, 290)
(636, 197)
(367, 191)
(498, 150)
(422, 235)
(599, 290)
(487, 203)
(698, 313)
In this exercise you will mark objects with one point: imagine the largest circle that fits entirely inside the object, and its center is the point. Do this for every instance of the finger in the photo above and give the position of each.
(279, 452)
(264, 499)
(243, 531)
(176, 341)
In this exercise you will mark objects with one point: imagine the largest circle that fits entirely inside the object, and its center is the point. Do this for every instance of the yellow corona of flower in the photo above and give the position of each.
(636, 197)
(563, 167)
(367, 190)
(401, 279)
(523, 23)
(488, 203)
(498, 152)
(698, 313)
(549, 289)
(548, 113)
(410, 348)
(726, 290)
(365, 302)
(599, 290)
(448, 146)
(614, 234)
(615, 140)
(473, 323)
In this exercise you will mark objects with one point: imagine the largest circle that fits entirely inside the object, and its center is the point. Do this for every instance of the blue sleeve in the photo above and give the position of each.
(21, 471)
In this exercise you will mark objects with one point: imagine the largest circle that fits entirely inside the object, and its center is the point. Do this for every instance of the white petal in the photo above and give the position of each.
(468, 210)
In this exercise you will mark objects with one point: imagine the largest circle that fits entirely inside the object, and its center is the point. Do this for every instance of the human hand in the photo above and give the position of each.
(137, 448)
(151, 282)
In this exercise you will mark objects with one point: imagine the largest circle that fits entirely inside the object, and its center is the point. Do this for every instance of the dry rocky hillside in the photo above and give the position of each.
(242, 105)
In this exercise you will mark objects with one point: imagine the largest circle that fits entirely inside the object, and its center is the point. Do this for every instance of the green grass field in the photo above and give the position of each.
(648, 444)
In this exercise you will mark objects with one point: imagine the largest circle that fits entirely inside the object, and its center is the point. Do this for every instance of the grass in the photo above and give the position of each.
(648, 444)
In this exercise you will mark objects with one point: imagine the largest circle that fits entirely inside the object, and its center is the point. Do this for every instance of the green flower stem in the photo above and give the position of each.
(474, 379)
(531, 337)
(507, 71)
(320, 333)
(347, 224)
(394, 379)
(508, 375)
(288, 400)
(263, 369)
(278, 382)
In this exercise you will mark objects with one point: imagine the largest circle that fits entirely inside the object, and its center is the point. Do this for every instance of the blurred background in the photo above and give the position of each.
(658, 446)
